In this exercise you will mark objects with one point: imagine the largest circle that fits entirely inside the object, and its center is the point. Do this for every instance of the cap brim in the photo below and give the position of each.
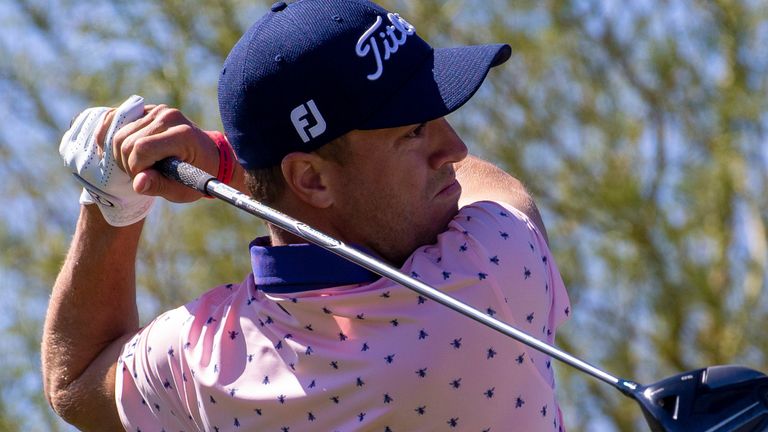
(440, 86)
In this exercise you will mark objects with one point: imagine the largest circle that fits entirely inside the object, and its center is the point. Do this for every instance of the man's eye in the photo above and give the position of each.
(417, 132)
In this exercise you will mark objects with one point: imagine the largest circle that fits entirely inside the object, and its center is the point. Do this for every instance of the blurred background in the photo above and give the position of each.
(639, 127)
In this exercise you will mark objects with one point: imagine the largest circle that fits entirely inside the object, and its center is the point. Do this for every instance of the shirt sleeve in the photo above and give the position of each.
(151, 383)
(514, 255)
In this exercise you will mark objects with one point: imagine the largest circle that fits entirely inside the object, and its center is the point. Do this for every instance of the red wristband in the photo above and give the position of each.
(226, 157)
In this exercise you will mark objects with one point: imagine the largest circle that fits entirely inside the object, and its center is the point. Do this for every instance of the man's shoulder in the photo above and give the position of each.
(491, 211)
(220, 295)
(491, 227)
(482, 226)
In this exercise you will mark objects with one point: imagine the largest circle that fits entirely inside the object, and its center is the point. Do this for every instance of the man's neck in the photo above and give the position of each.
(281, 237)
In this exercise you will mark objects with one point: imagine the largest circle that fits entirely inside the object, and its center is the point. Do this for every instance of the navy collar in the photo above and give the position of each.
(301, 267)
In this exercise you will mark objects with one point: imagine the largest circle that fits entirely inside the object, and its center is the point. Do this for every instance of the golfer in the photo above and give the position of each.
(333, 113)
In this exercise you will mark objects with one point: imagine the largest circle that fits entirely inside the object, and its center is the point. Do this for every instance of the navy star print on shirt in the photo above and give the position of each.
(383, 359)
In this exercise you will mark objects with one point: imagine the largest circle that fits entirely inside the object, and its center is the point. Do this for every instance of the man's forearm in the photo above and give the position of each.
(93, 302)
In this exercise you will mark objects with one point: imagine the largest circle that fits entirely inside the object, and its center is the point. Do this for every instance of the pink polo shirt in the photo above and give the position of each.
(287, 353)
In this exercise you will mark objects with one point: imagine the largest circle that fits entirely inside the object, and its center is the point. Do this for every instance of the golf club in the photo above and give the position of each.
(712, 399)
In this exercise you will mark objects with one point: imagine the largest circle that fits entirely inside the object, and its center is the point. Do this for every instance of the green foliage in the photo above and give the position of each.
(639, 132)
(637, 126)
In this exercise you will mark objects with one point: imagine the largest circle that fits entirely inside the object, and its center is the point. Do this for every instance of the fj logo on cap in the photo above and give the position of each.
(392, 37)
(300, 116)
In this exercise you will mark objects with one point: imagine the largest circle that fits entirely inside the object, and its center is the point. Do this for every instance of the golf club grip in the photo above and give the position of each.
(186, 174)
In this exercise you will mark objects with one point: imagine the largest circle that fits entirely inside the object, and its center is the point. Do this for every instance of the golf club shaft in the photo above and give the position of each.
(204, 182)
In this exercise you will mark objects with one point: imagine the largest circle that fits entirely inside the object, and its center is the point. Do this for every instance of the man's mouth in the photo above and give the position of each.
(450, 189)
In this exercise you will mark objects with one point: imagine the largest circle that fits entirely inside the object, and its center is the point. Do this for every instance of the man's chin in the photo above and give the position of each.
(452, 211)
(443, 221)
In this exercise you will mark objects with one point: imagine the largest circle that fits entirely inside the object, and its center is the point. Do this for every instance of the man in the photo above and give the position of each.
(335, 112)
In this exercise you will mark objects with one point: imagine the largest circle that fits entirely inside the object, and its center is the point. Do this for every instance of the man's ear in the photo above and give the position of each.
(305, 175)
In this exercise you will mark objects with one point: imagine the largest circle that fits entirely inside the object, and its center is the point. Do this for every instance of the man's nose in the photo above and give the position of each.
(449, 148)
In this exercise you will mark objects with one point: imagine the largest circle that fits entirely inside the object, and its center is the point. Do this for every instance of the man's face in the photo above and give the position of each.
(396, 189)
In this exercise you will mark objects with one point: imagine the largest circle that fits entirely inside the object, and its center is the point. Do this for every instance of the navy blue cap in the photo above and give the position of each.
(309, 72)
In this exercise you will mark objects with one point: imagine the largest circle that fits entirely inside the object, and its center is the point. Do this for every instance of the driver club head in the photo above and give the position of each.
(713, 399)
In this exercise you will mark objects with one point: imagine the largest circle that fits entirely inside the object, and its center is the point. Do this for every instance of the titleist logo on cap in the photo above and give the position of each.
(392, 37)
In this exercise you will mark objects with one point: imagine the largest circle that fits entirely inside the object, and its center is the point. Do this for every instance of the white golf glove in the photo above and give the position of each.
(104, 183)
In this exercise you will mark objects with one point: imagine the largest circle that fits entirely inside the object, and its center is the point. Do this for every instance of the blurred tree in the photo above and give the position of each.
(638, 127)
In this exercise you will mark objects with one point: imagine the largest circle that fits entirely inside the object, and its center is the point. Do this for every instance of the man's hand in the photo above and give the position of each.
(103, 182)
(162, 132)
(112, 151)
(135, 137)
